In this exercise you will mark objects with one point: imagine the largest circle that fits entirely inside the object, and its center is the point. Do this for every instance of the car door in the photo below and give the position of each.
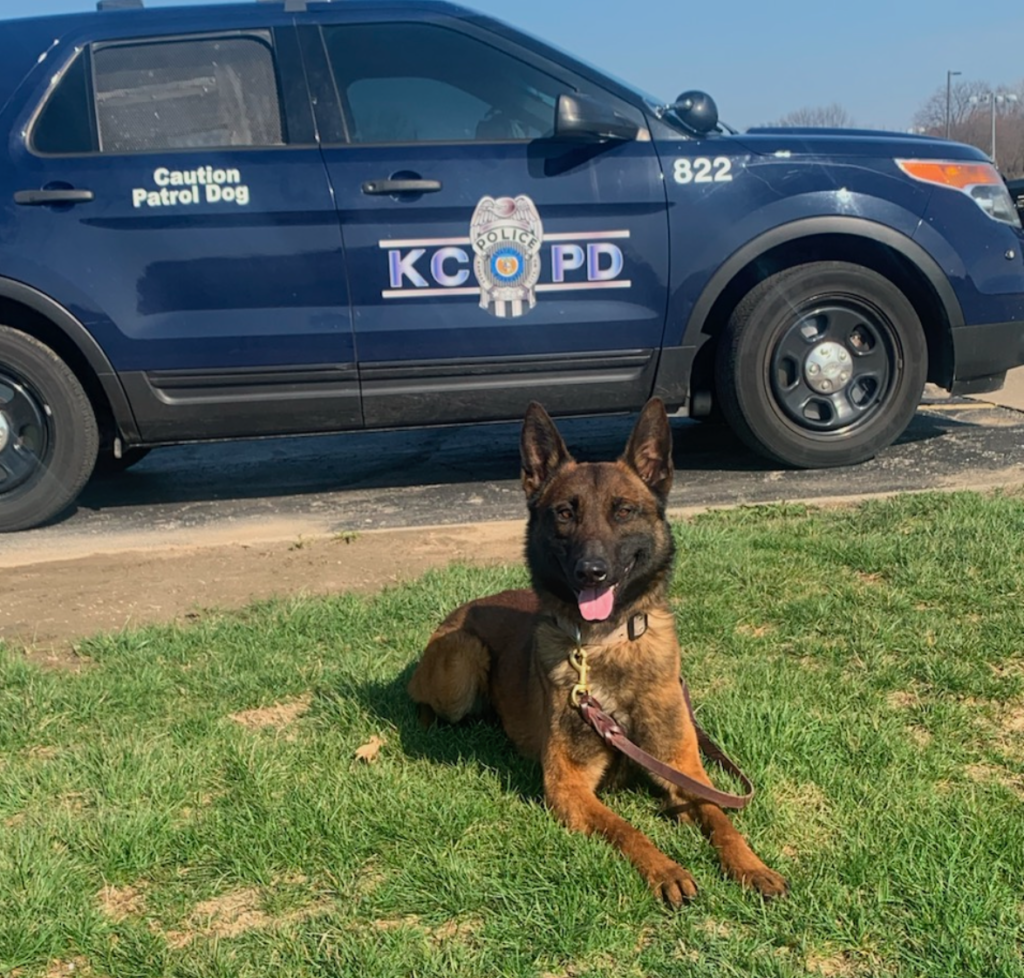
(489, 263)
(172, 194)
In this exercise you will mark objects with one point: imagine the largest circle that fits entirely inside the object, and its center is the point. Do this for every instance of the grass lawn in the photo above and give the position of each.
(189, 802)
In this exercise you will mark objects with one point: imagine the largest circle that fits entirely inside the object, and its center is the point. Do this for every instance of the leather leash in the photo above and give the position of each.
(615, 736)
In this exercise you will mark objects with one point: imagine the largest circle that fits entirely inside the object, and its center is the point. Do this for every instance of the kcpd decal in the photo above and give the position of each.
(507, 240)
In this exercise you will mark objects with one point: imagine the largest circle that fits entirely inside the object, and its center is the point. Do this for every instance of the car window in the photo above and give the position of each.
(186, 93)
(66, 123)
(422, 83)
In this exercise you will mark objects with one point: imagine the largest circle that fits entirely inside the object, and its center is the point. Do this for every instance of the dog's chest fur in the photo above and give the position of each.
(627, 677)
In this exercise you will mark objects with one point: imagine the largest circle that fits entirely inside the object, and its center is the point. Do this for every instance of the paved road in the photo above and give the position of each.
(282, 488)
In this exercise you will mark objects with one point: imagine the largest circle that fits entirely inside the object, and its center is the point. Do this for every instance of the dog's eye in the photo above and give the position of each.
(564, 514)
(624, 512)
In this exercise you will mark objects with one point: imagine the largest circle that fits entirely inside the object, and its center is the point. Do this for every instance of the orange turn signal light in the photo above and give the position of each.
(951, 174)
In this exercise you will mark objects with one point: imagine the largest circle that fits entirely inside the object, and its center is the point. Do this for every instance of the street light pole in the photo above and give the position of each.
(992, 99)
(949, 92)
(998, 98)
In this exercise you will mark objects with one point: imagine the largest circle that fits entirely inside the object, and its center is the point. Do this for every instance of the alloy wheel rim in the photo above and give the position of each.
(834, 366)
(24, 433)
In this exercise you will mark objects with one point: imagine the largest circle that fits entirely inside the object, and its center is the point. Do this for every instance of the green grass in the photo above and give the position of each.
(866, 667)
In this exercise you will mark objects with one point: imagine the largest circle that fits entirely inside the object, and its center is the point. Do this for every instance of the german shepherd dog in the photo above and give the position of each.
(599, 550)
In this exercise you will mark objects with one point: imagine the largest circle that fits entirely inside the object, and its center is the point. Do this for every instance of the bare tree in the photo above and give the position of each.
(931, 117)
(970, 116)
(832, 116)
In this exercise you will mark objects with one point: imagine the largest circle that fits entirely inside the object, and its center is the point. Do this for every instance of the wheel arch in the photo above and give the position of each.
(858, 241)
(36, 314)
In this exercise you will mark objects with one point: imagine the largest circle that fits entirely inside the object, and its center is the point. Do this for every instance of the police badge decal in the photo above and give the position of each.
(507, 235)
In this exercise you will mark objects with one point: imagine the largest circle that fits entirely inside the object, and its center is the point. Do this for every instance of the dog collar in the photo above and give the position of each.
(634, 628)
(631, 631)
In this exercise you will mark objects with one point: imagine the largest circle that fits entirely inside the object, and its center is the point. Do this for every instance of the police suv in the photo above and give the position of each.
(295, 216)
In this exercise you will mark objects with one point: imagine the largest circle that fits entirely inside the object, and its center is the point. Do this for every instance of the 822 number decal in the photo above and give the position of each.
(701, 169)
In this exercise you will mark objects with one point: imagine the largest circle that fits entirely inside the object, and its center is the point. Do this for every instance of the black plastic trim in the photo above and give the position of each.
(674, 373)
(979, 385)
(294, 90)
(500, 388)
(983, 354)
(197, 405)
(672, 383)
(483, 366)
(85, 343)
(202, 383)
(814, 227)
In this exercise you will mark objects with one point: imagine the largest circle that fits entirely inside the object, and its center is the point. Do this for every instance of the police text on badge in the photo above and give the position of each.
(182, 188)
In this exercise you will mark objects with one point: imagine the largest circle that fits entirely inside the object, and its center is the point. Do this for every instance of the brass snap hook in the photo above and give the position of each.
(578, 660)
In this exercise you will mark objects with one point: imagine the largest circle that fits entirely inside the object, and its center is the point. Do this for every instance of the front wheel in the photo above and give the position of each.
(48, 433)
(821, 365)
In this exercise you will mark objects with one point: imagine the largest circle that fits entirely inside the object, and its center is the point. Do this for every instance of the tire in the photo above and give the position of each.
(821, 365)
(48, 433)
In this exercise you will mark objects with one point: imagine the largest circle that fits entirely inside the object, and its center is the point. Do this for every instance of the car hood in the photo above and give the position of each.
(854, 143)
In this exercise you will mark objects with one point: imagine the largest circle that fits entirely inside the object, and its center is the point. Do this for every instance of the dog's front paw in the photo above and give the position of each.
(766, 881)
(673, 884)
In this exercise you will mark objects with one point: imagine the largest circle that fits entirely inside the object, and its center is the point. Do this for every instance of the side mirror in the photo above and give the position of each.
(696, 110)
(586, 118)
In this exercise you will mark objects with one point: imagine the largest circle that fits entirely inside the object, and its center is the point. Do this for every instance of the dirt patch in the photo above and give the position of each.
(367, 879)
(833, 966)
(278, 716)
(1013, 721)
(108, 592)
(983, 773)
(754, 631)
(119, 902)
(920, 735)
(871, 579)
(43, 752)
(449, 930)
(902, 699)
(233, 914)
(224, 916)
(810, 826)
(77, 967)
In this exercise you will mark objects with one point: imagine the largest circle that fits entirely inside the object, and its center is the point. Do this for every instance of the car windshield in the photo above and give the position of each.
(653, 102)
(656, 106)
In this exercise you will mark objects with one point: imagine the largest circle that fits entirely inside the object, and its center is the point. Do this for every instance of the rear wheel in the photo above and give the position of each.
(822, 365)
(48, 433)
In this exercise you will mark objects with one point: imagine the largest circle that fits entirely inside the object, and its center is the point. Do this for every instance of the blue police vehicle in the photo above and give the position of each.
(293, 216)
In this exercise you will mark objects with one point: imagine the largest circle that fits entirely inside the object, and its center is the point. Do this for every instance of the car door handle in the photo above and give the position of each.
(39, 197)
(401, 186)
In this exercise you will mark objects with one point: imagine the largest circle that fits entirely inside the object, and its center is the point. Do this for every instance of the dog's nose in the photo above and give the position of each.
(591, 571)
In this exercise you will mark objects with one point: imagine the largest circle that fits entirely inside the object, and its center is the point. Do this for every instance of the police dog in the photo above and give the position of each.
(599, 550)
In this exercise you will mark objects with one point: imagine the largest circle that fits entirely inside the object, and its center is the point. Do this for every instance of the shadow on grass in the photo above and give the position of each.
(482, 741)
(479, 740)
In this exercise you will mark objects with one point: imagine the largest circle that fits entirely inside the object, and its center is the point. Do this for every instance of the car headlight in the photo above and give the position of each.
(979, 181)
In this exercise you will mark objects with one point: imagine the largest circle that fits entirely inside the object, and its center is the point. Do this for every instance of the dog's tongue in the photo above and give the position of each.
(596, 602)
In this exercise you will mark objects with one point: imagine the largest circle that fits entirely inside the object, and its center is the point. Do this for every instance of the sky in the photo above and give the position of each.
(761, 59)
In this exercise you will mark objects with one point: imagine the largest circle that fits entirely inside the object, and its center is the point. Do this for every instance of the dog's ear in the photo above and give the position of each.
(649, 450)
(541, 449)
